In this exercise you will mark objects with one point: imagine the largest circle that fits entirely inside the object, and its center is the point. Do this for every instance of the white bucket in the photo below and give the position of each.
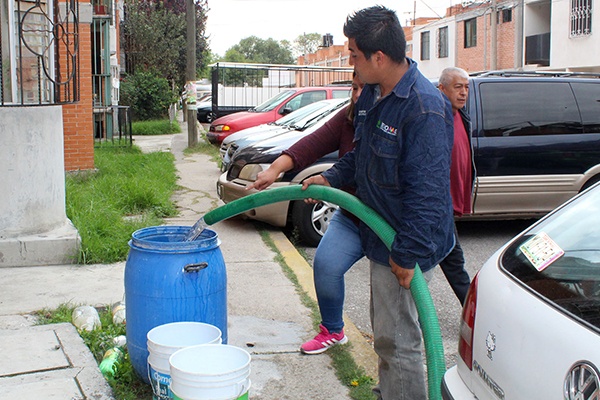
(164, 340)
(210, 372)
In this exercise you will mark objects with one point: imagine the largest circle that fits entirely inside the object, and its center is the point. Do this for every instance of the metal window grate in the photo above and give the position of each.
(425, 44)
(41, 60)
(581, 18)
(442, 42)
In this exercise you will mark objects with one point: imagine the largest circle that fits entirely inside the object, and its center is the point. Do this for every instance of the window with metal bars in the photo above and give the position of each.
(39, 51)
(442, 42)
(581, 18)
(425, 42)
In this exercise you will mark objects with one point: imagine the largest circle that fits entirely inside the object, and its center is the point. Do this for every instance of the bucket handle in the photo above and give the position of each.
(245, 386)
(156, 390)
(195, 267)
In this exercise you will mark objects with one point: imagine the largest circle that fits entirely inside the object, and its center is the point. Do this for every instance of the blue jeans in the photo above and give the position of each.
(397, 337)
(338, 250)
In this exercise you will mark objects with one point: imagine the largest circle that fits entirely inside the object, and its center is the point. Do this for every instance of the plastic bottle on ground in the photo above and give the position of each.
(86, 318)
(118, 313)
(110, 361)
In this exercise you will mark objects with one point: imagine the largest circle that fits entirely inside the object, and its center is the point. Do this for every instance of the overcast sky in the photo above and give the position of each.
(229, 21)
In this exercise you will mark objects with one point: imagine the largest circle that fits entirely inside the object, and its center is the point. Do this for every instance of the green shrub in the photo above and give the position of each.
(155, 127)
(148, 95)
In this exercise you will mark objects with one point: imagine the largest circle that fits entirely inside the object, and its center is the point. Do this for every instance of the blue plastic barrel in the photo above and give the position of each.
(170, 280)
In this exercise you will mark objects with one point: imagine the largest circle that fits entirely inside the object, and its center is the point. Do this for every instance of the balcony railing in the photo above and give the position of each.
(119, 133)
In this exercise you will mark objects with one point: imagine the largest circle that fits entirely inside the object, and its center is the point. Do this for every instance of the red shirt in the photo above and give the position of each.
(460, 169)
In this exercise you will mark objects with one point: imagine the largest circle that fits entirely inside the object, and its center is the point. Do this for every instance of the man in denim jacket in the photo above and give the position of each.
(401, 168)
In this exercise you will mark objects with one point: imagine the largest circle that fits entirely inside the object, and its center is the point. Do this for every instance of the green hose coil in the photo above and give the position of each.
(434, 348)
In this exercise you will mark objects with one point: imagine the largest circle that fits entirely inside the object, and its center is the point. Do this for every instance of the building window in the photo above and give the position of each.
(442, 42)
(507, 15)
(471, 33)
(38, 42)
(581, 18)
(425, 46)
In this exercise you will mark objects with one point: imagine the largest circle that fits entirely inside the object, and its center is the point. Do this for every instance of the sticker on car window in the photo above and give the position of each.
(541, 251)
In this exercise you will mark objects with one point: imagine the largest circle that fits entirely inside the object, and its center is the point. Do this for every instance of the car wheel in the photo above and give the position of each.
(312, 220)
(210, 117)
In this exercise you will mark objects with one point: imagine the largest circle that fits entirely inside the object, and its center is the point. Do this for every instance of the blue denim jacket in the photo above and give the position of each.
(401, 168)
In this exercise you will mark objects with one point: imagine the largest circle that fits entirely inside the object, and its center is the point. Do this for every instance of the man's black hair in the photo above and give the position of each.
(377, 29)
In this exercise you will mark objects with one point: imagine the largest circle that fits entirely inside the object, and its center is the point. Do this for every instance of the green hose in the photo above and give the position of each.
(434, 348)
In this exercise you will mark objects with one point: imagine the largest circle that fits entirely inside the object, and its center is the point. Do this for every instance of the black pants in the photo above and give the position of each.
(453, 267)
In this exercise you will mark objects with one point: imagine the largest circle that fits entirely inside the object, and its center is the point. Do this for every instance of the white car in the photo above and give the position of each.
(298, 120)
(530, 326)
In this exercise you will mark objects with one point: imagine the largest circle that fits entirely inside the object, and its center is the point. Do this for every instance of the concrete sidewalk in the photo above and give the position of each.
(265, 314)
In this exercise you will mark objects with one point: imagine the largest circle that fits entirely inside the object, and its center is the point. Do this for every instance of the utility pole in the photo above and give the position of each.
(414, 12)
(190, 71)
(494, 27)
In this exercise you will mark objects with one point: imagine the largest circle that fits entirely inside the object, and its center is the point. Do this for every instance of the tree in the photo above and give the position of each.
(307, 43)
(264, 51)
(148, 95)
(202, 69)
(154, 37)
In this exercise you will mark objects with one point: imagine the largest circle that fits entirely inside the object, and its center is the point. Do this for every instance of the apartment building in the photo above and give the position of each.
(527, 35)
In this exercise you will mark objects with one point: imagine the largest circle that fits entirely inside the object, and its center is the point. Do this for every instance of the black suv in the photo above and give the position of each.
(536, 138)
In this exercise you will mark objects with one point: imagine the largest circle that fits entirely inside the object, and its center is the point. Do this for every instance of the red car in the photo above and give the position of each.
(273, 109)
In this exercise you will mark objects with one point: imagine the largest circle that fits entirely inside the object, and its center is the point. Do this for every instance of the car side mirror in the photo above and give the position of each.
(286, 110)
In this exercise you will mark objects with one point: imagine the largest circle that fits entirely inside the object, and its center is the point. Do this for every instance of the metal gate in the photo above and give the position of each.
(239, 86)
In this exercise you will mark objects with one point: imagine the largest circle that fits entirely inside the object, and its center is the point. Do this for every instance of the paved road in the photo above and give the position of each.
(479, 239)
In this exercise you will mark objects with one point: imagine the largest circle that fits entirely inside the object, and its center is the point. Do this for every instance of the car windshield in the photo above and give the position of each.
(313, 118)
(559, 258)
(301, 113)
(273, 102)
(310, 119)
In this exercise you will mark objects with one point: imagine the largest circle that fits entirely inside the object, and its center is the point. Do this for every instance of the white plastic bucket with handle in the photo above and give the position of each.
(164, 340)
(210, 372)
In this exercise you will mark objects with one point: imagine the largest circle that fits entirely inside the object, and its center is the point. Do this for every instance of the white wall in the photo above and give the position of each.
(537, 17)
(32, 167)
(567, 52)
(433, 67)
(34, 228)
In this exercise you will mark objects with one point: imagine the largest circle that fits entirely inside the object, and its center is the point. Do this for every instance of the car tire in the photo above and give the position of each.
(209, 117)
(311, 220)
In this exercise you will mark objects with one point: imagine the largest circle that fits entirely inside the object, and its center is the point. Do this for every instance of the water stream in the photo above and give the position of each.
(195, 230)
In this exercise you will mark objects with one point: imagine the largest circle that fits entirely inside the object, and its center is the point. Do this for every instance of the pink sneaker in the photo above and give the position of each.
(323, 341)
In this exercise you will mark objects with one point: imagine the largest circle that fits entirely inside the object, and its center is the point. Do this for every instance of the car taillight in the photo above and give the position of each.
(467, 324)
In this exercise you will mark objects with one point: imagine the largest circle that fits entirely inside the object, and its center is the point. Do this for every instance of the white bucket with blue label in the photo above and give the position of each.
(210, 372)
(164, 340)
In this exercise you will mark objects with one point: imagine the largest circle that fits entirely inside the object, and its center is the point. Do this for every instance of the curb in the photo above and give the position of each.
(361, 350)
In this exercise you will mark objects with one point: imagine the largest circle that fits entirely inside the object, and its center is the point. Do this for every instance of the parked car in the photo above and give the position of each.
(530, 326)
(536, 140)
(273, 109)
(536, 143)
(311, 220)
(205, 114)
(299, 120)
(204, 109)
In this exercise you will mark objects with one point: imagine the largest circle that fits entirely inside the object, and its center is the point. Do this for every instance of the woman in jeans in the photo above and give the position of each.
(340, 246)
